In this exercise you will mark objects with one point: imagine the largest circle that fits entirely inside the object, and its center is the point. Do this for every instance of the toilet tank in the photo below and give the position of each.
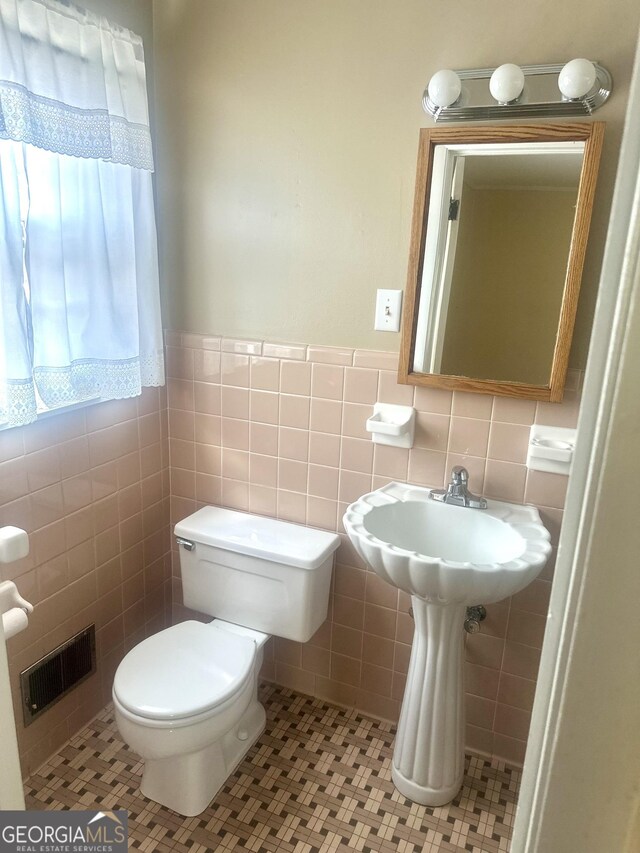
(259, 572)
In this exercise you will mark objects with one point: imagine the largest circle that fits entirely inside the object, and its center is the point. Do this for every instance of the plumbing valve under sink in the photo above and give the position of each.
(475, 615)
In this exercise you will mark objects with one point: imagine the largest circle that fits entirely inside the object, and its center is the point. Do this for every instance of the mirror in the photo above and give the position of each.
(500, 224)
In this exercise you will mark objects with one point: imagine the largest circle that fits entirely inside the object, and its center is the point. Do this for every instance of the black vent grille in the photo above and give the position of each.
(50, 678)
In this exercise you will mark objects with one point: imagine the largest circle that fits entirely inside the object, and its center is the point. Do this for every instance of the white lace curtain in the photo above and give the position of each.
(79, 296)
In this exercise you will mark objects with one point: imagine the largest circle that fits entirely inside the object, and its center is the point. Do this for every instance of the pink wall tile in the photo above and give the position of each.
(263, 500)
(265, 374)
(505, 481)
(391, 462)
(360, 385)
(264, 407)
(566, 415)
(208, 459)
(235, 433)
(353, 484)
(389, 391)
(437, 401)
(295, 377)
(293, 444)
(546, 489)
(206, 366)
(326, 415)
(207, 428)
(208, 490)
(321, 513)
(235, 464)
(330, 355)
(285, 350)
(234, 369)
(292, 507)
(263, 438)
(263, 470)
(427, 467)
(469, 436)
(512, 411)
(206, 399)
(354, 419)
(432, 431)
(235, 494)
(294, 411)
(241, 346)
(467, 405)
(324, 449)
(516, 692)
(357, 455)
(508, 442)
(179, 362)
(375, 360)
(323, 482)
(293, 475)
(327, 381)
(234, 402)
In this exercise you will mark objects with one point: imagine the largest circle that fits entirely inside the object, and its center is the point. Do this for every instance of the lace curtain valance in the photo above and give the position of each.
(73, 83)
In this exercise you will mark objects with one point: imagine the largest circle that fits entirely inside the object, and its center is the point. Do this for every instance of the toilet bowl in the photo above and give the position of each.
(186, 698)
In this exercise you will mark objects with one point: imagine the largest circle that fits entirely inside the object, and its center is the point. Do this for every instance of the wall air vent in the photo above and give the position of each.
(49, 679)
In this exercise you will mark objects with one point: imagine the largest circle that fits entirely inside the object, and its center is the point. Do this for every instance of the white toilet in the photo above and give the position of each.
(186, 698)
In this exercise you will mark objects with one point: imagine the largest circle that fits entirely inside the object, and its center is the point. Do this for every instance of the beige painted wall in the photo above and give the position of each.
(506, 291)
(287, 140)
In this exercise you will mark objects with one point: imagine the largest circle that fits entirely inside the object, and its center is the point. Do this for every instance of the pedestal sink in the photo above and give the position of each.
(447, 558)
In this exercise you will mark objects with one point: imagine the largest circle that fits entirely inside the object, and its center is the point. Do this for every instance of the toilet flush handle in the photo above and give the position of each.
(185, 543)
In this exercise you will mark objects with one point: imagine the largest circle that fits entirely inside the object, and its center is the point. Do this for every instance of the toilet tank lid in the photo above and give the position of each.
(257, 536)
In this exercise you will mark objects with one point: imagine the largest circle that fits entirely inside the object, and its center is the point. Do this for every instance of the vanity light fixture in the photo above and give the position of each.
(577, 79)
(444, 88)
(506, 83)
(575, 88)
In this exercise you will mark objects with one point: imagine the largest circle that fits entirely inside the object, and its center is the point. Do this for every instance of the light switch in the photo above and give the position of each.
(388, 308)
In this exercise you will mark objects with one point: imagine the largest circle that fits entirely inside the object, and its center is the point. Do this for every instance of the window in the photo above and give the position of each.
(79, 300)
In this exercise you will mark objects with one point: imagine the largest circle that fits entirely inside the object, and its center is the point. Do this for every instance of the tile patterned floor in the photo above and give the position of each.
(319, 779)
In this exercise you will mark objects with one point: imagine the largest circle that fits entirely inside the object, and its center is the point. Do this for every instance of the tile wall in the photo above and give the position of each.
(91, 488)
(279, 429)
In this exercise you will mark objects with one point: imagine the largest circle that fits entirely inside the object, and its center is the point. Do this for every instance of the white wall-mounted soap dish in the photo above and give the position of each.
(392, 425)
(551, 449)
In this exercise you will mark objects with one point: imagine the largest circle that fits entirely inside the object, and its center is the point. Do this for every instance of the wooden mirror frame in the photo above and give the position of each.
(592, 135)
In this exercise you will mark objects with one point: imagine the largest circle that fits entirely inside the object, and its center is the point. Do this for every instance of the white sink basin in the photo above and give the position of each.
(444, 553)
(446, 557)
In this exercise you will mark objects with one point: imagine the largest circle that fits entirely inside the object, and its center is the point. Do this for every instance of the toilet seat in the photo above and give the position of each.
(184, 673)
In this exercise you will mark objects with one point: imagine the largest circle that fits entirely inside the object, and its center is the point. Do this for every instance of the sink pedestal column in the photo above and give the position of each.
(428, 758)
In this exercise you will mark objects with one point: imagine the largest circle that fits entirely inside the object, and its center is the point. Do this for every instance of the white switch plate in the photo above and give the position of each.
(388, 308)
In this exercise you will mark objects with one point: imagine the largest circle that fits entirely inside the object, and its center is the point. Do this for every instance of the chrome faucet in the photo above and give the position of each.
(457, 492)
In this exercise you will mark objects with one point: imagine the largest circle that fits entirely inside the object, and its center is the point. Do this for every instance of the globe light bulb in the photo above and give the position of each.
(577, 79)
(506, 83)
(444, 88)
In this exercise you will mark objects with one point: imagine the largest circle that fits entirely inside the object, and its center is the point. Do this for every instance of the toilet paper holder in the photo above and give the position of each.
(11, 599)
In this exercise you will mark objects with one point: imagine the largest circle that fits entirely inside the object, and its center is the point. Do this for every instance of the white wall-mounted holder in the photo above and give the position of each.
(577, 88)
(392, 425)
(14, 544)
(14, 609)
(551, 449)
